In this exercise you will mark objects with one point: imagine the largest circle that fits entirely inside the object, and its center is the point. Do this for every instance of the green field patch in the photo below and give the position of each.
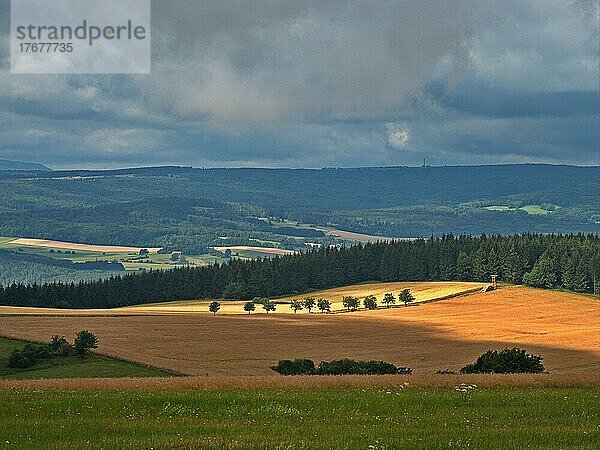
(302, 418)
(206, 259)
(499, 208)
(535, 210)
(93, 365)
(5, 240)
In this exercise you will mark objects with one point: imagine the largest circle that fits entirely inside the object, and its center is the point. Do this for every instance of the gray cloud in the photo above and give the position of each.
(315, 83)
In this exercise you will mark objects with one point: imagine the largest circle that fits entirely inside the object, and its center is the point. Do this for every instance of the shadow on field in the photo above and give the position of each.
(249, 345)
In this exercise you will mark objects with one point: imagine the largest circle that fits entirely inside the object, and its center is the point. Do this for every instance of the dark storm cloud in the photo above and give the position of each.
(320, 83)
(483, 101)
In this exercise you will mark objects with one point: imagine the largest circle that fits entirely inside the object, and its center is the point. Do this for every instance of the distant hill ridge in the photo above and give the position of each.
(6, 164)
(373, 187)
(171, 206)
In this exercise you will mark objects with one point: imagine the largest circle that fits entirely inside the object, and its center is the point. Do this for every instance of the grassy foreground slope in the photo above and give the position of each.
(300, 418)
(72, 366)
(562, 327)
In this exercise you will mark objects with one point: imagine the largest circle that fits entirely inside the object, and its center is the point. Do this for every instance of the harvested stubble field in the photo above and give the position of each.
(28, 242)
(442, 335)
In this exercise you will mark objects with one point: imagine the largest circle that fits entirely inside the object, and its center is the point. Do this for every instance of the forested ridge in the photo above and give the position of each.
(187, 209)
(571, 262)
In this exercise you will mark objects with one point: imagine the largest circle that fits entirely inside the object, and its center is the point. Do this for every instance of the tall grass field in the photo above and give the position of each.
(482, 418)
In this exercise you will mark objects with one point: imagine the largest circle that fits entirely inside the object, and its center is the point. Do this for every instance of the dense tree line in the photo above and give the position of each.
(571, 262)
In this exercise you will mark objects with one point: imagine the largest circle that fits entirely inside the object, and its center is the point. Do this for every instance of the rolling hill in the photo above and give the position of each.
(562, 327)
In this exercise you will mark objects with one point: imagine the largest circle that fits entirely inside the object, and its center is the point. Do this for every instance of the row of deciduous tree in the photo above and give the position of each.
(566, 261)
(351, 303)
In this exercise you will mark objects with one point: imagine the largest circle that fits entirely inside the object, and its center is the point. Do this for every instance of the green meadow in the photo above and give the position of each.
(302, 418)
(74, 366)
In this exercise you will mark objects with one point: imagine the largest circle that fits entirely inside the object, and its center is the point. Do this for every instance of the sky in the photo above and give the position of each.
(331, 83)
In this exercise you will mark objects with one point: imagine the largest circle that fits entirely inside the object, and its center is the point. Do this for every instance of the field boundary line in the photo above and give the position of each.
(266, 382)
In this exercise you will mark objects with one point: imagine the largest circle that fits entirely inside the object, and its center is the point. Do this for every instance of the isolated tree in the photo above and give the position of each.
(309, 304)
(85, 341)
(406, 297)
(388, 299)
(249, 307)
(324, 305)
(370, 302)
(351, 303)
(214, 307)
(269, 306)
(296, 305)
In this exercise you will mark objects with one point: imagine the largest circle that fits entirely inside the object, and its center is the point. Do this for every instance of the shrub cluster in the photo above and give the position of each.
(30, 354)
(506, 361)
(338, 367)
(295, 367)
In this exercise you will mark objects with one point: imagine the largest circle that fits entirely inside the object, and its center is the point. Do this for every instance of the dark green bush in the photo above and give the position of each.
(352, 367)
(84, 342)
(30, 354)
(27, 356)
(19, 360)
(338, 367)
(295, 367)
(507, 361)
(59, 346)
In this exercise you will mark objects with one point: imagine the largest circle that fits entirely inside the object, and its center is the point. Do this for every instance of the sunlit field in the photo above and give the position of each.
(443, 335)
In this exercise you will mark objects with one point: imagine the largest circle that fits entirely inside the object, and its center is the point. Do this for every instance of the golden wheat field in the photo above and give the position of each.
(562, 327)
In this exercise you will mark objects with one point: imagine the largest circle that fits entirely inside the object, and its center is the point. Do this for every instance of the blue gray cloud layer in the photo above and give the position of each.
(306, 83)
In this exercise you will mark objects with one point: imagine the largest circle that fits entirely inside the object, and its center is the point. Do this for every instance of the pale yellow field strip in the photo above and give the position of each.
(81, 247)
(357, 236)
(422, 291)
